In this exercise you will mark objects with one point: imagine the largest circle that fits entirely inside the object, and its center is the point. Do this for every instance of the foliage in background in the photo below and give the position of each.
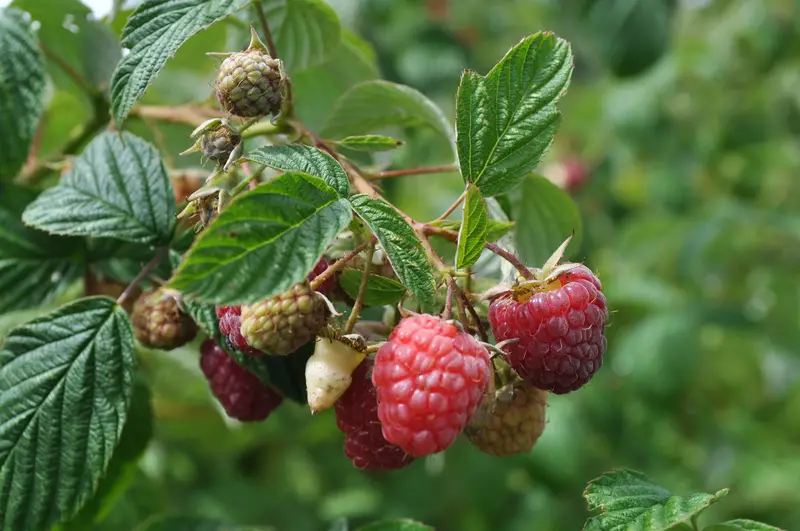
(684, 118)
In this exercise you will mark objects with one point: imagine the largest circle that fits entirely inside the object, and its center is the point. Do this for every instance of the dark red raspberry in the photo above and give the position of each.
(230, 322)
(430, 379)
(561, 330)
(241, 394)
(357, 418)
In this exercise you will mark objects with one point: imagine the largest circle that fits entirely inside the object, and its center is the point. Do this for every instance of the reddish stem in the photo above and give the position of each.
(446, 168)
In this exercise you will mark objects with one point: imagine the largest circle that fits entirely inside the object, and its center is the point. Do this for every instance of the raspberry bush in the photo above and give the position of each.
(245, 243)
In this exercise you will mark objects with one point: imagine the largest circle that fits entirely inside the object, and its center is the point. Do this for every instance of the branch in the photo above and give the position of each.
(262, 18)
(447, 168)
(146, 270)
(452, 207)
(362, 291)
(73, 74)
(182, 114)
(339, 264)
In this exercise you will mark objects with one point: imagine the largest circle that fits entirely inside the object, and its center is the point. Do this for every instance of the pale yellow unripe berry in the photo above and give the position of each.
(329, 372)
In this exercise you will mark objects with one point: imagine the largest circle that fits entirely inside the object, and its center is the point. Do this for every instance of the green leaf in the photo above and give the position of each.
(380, 290)
(304, 159)
(306, 32)
(506, 121)
(474, 227)
(741, 524)
(190, 523)
(117, 188)
(629, 501)
(153, 34)
(66, 381)
(402, 246)
(35, 267)
(395, 525)
(373, 105)
(265, 241)
(545, 216)
(122, 468)
(369, 143)
(22, 85)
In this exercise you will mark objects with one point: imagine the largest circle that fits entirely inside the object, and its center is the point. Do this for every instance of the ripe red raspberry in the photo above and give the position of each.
(560, 327)
(430, 379)
(357, 418)
(241, 394)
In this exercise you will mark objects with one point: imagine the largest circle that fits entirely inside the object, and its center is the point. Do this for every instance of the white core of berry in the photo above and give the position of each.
(329, 372)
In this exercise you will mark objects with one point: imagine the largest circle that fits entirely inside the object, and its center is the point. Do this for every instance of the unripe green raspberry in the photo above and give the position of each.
(283, 323)
(159, 323)
(251, 83)
(511, 422)
(218, 144)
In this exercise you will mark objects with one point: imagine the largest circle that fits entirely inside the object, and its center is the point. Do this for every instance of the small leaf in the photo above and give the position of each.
(265, 241)
(545, 216)
(474, 227)
(402, 246)
(66, 381)
(307, 32)
(123, 466)
(373, 105)
(628, 501)
(153, 34)
(395, 525)
(35, 267)
(117, 188)
(741, 525)
(304, 159)
(380, 290)
(506, 121)
(369, 143)
(22, 85)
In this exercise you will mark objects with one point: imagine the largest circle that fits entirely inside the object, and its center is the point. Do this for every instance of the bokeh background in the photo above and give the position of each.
(679, 143)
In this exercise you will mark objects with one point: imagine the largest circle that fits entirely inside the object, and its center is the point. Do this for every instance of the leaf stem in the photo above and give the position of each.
(448, 300)
(146, 270)
(339, 264)
(246, 181)
(446, 168)
(471, 309)
(262, 19)
(362, 291)
(452, 207)
(182, 114)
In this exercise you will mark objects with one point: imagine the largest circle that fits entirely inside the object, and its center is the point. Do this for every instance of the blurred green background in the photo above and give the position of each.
(683, 117)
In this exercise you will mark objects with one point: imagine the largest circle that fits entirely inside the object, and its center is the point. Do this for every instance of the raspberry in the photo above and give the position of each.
(430, 378)
(241, 394)
(159, 323)
(230, 322)
(219, 143)
(327, 284)
(251, 83)
(283, 323)
(514, 420)
(560, 327)
(357, 418)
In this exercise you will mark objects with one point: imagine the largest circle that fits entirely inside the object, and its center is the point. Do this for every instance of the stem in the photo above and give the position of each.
(73, 74)
(448, 301)
(182, 114)
(339, 264)
(262, 18)
(259, 129)
(246, 181)
(452, 207)
(248, 124)
(461, 311)
(146, 270)
(694, 523)
(512, 259)
(362, 290)
(447, 168)
(471, 309)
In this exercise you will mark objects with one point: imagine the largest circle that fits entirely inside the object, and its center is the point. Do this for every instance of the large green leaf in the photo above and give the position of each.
(306, 32)
(66, 381)
(474, 228)
(21, 90)
(741, 524)
(304, 159)
(380, 290)
(117, 188)
(35, 267)
(265, 241)
(507, 120)
(545, 216)
(123, 465)
(153, 34)
(395, 525)
(371, 106)
(68, 30)
(628, 501)
(402, 246)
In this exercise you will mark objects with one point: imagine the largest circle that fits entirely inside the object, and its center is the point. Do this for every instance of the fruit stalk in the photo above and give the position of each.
(146, 270)
(362, 291)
